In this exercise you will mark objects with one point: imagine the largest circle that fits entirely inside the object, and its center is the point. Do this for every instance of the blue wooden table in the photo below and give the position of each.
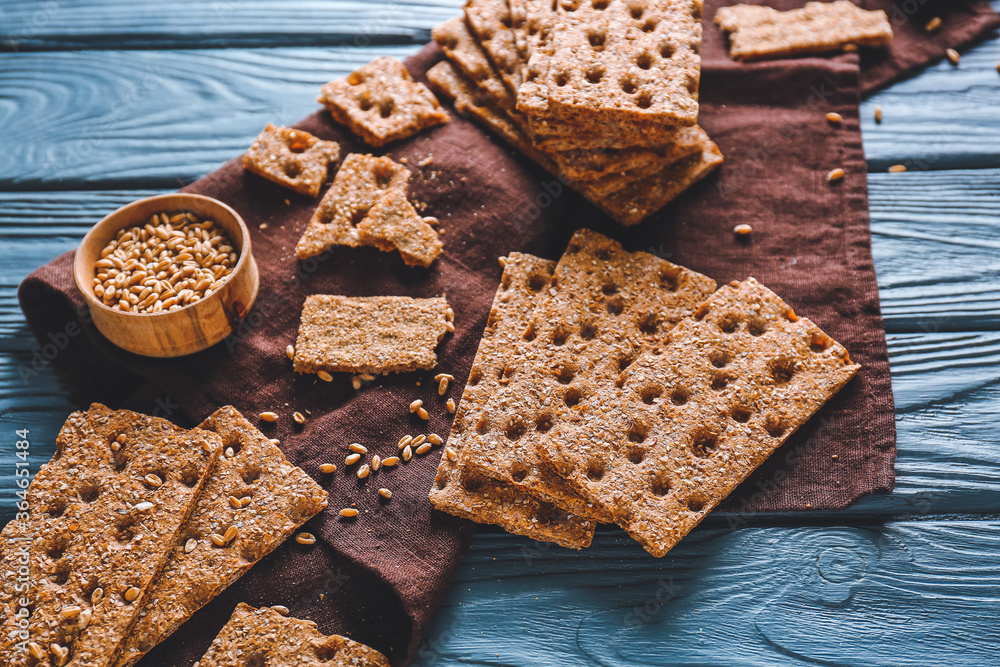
(102, 102)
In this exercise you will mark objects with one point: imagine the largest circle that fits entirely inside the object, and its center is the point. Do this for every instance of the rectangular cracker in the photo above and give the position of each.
(393, 224)
(614, 61)
(359, 183)
(282, 497)
(688, 422)
(465, 53)
(490, 22)
(265, 637)
(380, 102)
(757, 32)
(100, 525)
(594, 164)
(473, 496)
(292, 158)
(375, 334)
(604, 308)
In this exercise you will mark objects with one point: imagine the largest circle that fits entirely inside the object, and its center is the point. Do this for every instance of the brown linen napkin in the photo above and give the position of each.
(380, 577)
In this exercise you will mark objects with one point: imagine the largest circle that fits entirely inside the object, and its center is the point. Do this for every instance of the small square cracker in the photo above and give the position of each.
(283, 497)
(265, 637)
(471, 495)
(360, 182)
(393, 224)
(380, 102)
(375, 334)
(292, 158)
(757, 32)
(686, 423)
(97, 523)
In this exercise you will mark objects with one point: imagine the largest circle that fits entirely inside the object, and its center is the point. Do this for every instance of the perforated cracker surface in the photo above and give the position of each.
(292, 158)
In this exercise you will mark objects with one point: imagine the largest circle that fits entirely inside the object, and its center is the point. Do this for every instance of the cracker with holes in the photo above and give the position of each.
(490, 22)
(393, 224)
(690, 420)
(375, 334)
(472, 495)
(359, 183)
(253, 488)
(105, 513)
(604, 308)
(265, 637)
(464, 52)
(757, 32)
(380, 102)
(292, 158)
(614, 61)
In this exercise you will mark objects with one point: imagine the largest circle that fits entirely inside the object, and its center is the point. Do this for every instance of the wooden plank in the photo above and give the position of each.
(93, 24)
(905, 594)
(153, 118)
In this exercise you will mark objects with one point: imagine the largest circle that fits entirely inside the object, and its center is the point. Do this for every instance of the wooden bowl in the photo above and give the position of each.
(177, 332)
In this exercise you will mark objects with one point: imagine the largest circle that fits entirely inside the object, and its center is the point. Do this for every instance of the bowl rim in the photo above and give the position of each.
(91, 299)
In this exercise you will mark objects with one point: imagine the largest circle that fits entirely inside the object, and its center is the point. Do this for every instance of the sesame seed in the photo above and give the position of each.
(85, 616)
(190, 545)
(268, 417)
(878, 114)
(290, 352)
(424, 448)
(742, 230)
(835, 118)
(274, 441)
(230, 452)
(324, 376)
(115, 446)
(120, 439)
(434, 439)
(953, 55)
(348, 512)
(363, 471)
(933, 24)
(132, 594)
(235, 503)
(450, 405)
(36, 651)
(415, 405)
(153, 480)
(97, 595)
(71, 611)
(355, 447)
(327, 468)
(281, 609)
(835, 175)
(407, 453)
(144, 506)
(503, 261)
(298, 418)
(245, 500)
(352, 459)
(217, 540)
(61, 654)
(305, 538)
(385, 493)
(897, 168)
(206, 446)
(423, 414)
(391, 461)
(451, 453)
(376, 462)
(405, 440)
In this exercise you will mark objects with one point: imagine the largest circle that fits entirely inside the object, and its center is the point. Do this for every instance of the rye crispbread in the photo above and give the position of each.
(617, 62)
(465, 52)
(604, 308)
(100, 521)
(380, 102)
(359, 183)
(490, 21)
(292, 158)
(596, 164)
(757, 32)
(375, 334)
(393, 224)
(469, 494)
(688, 421)
(282, 498)
(265, 638)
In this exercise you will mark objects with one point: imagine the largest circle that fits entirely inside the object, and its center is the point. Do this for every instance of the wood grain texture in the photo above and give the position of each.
(156, 118)
(905, 594)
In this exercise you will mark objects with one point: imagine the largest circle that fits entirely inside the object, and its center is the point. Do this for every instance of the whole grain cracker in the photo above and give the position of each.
(380, 102)
(292, 158)
(101, 528)
(757, 32)
(490, 22)
(393, 224)
(605, 306)
(266, 637)
(471, 495)
(463, 51)
(594, 164)
(281, 496)
(378, 334)
(687, 422)
(359, 183)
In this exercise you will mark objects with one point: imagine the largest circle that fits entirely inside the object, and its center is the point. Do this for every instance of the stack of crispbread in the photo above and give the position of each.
(618, 387)
(133, 526)
(602, 93)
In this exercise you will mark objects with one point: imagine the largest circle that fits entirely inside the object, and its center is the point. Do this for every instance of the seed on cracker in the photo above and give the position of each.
(385, 334)
(292, 158)
(757, 32)
(392, 224)
(380, 102)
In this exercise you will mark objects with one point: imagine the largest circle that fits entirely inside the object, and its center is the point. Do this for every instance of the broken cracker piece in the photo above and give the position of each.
(360, 182)
(757, 32)
(380, 102)
(280, 497)
(105, 513)
(376, 335)
(393, 224)
(292, 158)
(265, 637)
(472, 495)
(686, 423)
